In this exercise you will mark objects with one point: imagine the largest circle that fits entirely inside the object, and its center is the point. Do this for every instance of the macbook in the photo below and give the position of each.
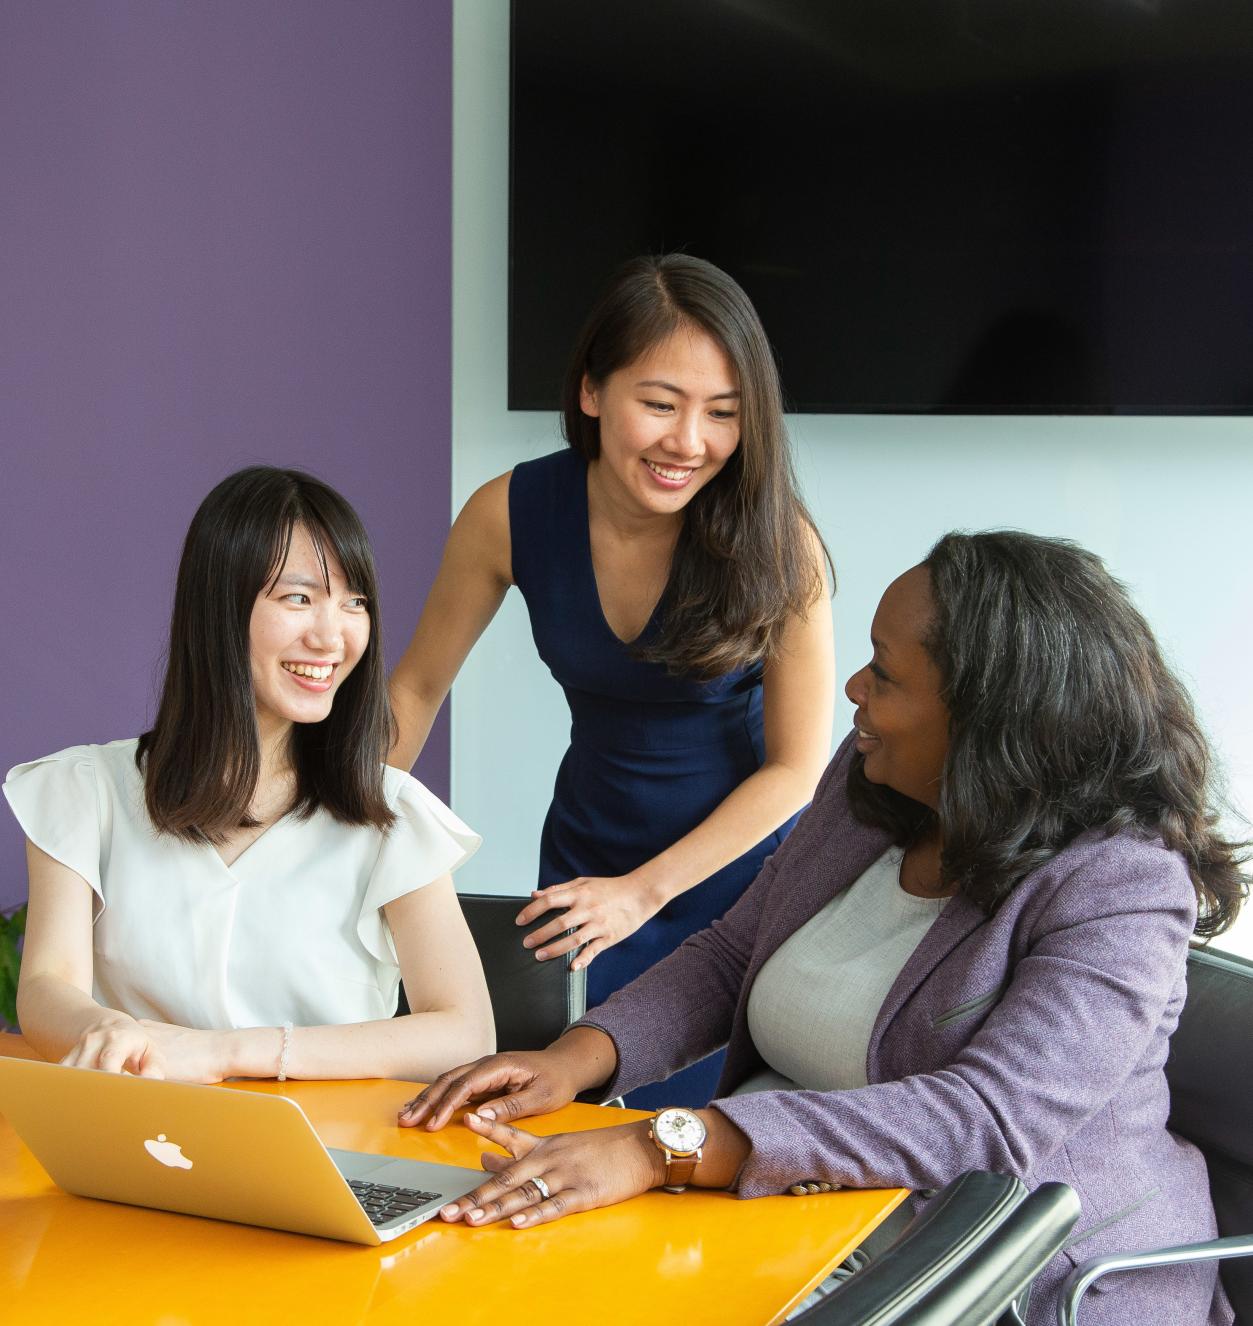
(211, 1151)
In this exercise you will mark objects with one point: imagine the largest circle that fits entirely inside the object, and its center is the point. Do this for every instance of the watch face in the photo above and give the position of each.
(679, 1130)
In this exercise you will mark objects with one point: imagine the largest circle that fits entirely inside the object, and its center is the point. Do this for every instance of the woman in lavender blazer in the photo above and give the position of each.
(1027, 755)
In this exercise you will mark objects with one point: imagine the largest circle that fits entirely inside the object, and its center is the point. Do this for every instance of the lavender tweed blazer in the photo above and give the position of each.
(1030, 1043)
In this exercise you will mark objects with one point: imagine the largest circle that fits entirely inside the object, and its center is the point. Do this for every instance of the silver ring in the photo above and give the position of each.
(543, 1188)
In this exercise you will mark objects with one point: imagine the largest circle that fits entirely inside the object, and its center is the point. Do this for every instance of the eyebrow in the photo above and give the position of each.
(678, 391)
(288, 578)
(879, 645)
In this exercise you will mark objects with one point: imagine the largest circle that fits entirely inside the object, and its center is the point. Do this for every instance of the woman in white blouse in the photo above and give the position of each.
(238, 892)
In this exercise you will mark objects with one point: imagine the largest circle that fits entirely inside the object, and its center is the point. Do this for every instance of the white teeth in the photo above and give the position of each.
(314, 673)
(667, 473)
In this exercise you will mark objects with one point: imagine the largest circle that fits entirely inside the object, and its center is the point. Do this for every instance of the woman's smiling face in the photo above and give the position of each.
(669, 421)
(305, 638)
(902, 721)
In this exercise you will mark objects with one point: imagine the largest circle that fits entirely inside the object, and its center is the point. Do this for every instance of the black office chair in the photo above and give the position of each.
(1211, 1104)
(968, 1258)
(532, 1002)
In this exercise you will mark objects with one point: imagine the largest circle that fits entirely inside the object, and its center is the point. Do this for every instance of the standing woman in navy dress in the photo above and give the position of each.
(677, 591)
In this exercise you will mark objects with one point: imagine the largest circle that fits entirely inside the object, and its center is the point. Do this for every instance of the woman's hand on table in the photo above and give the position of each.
(600, 912)
(517, 1083)
(511, 1086)
(118, 1043)
(576, 1172)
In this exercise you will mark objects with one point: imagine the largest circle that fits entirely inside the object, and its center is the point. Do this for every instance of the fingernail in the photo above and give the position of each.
(542, 954)
(476, 1214)
(528, 942)
(517, 1219)
(490, 1115)
(576, 966)
(448, 1211)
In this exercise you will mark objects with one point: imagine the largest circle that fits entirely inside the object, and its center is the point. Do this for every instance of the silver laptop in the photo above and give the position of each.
(211, 1151)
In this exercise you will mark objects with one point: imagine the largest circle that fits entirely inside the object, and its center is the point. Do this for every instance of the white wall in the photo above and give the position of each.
(1165, 501)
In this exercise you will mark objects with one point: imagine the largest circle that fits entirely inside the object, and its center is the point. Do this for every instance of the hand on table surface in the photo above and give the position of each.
(511, 1086)
(600, 911)
(575, 1172)
(150, 1049)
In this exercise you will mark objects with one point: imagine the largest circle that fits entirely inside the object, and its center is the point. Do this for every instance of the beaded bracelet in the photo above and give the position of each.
(282, 1058)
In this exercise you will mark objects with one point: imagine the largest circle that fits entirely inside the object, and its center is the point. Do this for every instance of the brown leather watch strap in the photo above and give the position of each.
(679, 1170)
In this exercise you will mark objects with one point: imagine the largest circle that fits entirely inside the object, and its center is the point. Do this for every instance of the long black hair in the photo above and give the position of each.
(1064, 717)
(744, 563)
(201, 759)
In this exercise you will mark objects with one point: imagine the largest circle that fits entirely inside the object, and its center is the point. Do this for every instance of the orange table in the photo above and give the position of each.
(699, 1257)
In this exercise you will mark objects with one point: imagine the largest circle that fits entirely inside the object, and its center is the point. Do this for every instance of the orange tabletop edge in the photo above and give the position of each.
(692, 1258)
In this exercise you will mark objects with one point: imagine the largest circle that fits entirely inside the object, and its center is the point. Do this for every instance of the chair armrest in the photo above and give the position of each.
(1000, 1270)
(1085, 1275)
(962, 1216)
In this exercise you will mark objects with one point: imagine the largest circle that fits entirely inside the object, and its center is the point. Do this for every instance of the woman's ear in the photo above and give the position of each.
(588, 401)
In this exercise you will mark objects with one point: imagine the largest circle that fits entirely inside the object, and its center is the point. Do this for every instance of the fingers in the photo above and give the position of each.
(110, 1050)
(590, 950)
(516, 1188)
(435, 1105)
(563, 946)
(517, 1142)
(566, 921)
(551, 1208)
(544, 900)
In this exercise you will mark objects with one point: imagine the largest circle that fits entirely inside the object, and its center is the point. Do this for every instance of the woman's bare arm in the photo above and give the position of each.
(450, 1021)
(473, 577)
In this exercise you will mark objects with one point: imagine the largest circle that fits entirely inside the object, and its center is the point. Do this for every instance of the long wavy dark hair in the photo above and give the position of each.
(743, 564)
(1064, 717)
(202, 757)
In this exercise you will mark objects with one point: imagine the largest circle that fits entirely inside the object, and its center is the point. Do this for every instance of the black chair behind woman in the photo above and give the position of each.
(532, 1002)
(1211, 1103)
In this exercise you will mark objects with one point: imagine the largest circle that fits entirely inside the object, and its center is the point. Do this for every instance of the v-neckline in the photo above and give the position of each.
(229, 867)
(586, 523)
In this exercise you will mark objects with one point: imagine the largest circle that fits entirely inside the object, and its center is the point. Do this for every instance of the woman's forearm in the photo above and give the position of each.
(54, 1015)
(748, 814)
(414, 711)
(418, 1047)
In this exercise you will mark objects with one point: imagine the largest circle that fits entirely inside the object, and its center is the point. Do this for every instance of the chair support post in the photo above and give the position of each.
(1084, 1276)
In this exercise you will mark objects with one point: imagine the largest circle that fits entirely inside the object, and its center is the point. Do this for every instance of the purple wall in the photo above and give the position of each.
(225, 239)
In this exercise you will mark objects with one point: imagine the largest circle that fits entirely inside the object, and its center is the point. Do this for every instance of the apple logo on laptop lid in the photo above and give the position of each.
(168, 1153)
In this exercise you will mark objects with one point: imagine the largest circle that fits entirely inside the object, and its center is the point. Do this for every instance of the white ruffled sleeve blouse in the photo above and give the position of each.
(292, 930)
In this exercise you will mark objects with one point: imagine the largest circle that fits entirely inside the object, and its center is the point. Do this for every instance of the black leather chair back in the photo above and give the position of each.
(533, 1002)
(1210, 1071)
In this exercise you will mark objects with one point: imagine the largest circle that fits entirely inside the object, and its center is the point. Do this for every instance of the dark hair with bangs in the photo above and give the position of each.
(1064, 717)
(201, 760)
(743, 564)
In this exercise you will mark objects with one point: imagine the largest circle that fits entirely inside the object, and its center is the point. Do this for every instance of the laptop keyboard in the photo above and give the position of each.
(384, 1202)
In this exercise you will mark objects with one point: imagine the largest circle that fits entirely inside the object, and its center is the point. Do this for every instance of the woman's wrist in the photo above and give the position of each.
(653, 1161)
(657, 883)
(250, 1051)
(726, 1149)
(587, 1056)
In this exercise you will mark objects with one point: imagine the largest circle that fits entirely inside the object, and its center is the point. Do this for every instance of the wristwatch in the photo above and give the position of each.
(679, 1135)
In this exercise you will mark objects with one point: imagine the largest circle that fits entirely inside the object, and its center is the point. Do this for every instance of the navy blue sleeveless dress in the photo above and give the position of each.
(651, 754)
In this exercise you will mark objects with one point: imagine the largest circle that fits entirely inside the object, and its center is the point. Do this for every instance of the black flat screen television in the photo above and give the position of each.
(937, 206)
